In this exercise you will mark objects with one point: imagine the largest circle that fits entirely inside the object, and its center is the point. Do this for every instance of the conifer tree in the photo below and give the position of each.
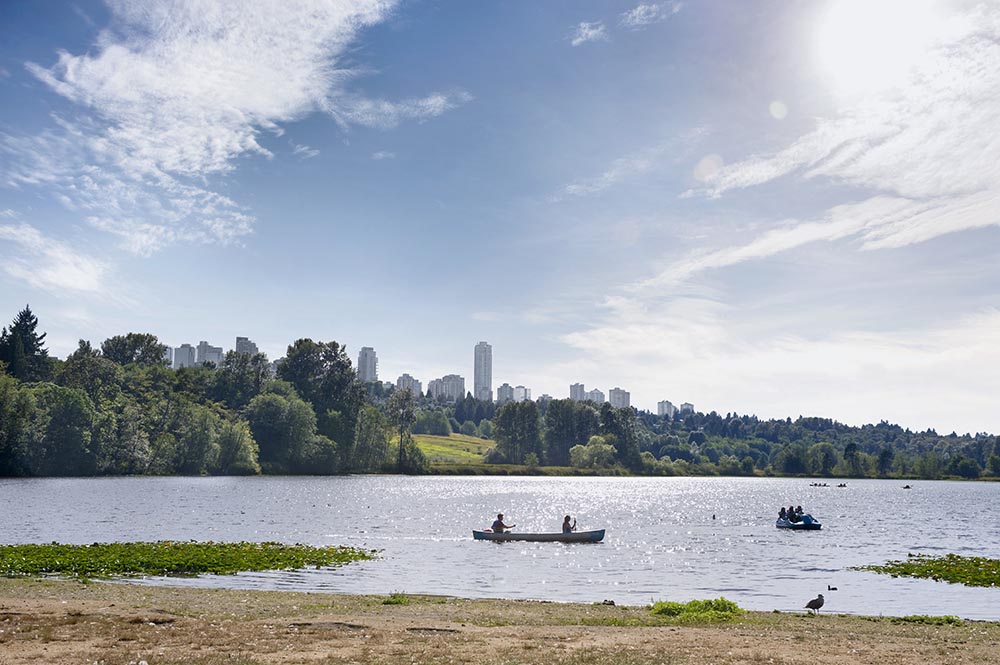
(23, 349)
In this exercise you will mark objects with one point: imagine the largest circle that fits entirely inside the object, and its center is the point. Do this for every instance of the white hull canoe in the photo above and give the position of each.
(572, 537)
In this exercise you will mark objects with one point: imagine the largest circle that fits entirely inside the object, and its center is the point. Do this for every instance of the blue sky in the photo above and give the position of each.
(782, 208)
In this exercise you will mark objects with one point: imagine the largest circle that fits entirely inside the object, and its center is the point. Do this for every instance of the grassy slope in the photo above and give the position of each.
(454, 449)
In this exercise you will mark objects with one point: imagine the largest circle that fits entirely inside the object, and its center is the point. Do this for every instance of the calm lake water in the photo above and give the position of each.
(662, 542)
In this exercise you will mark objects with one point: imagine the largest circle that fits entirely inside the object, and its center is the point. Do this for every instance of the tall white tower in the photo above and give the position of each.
(367, 365)
(483, 377)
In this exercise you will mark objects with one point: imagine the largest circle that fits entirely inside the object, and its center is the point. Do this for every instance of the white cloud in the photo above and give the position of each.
(927, 147)
(383, 114)
(173, 94)
(303, 151)
(383, 154)
(589, 32)
(631, 165)
(703, 351)
(48, 264)
(643, 15)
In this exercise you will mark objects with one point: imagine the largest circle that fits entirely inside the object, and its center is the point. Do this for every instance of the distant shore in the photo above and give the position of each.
(48, 621)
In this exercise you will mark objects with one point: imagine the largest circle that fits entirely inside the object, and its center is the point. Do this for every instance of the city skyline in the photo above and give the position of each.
(774, 208)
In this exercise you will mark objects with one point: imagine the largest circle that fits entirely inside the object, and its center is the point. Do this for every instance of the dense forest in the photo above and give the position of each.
(118, 409)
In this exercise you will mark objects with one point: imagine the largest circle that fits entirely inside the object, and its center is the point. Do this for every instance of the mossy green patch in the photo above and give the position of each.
(167, 558)
(713, 610)
(970, 571)
(397, 598)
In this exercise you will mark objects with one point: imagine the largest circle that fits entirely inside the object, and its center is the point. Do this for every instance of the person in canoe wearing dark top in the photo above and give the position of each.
(567, 527)
(499, 526)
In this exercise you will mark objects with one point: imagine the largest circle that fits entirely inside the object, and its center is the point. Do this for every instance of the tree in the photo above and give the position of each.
(371, 441)
(620, 424)
(517, 432)
(597, 453)
(237, 450)
(23, 350)
(821, 459)
(198, 442)
(139, 348)
(401, 412)
(16, 408)
(240, 378)
(323, 375)
(284, 428)
(60, 434)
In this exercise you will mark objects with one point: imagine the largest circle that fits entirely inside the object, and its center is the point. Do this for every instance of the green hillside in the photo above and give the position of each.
(454, 449)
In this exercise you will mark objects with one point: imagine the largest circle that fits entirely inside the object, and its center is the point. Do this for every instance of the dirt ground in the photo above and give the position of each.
(46, 621)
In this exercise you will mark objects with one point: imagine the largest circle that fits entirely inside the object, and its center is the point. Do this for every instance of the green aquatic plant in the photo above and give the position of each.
(101, 560)
(718, 609)
(970, 571)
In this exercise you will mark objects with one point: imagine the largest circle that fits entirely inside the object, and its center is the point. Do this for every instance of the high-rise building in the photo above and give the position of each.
(482, 380)
(594, 395)
(184, 356)
(577, 392)
(619, 398)
(168, 356)
(505, 393)
(367, 365)
(522, 394)
(407, 382)
(544, 398)
(245, 346)
(666, 408)
(453, 387)
(209, 354)
(687, 406)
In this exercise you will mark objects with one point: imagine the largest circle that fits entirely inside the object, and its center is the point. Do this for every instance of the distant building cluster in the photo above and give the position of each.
(186, 355)
(448, 388)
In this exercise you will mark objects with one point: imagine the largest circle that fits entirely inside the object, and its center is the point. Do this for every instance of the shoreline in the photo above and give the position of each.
(49, 620)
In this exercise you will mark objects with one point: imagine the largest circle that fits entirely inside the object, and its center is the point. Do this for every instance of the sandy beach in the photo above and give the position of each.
(49, 621)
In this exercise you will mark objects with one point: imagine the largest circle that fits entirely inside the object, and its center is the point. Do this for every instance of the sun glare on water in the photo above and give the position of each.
(866, 46)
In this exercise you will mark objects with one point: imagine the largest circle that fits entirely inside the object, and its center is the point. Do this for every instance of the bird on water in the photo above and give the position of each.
(815, 603)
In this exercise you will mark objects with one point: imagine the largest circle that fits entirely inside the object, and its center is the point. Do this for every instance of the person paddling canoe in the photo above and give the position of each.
(499, 526)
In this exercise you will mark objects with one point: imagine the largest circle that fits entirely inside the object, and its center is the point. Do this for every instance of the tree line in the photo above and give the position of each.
(118, 409)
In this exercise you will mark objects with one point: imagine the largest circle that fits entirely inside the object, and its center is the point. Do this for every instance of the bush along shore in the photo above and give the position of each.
(103, 560)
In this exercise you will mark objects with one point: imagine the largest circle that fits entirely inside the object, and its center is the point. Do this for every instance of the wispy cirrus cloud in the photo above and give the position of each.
(303, 151)
(927, 148)
(383, 154)
(589, 32)
(48, 264)
(623, 168)
(175, 93)
(643, 15)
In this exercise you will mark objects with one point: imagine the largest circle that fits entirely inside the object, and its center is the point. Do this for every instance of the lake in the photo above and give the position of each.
(662, 542)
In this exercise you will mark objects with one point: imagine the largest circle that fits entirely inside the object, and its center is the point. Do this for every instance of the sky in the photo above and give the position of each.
(776, 207)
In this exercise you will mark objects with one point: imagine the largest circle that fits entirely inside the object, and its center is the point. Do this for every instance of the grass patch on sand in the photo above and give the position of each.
(397, 598)
(102, 560)
(699, 611)
(970, 571)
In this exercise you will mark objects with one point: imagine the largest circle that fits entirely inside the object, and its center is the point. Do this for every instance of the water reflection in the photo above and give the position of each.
(661, 543)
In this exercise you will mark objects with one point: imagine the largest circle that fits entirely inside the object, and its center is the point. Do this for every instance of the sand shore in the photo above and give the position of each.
(48, 621)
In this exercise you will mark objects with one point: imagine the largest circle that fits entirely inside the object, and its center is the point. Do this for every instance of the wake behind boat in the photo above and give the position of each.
(570, 537)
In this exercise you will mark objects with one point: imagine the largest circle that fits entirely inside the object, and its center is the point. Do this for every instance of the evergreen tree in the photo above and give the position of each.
(22, 348)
